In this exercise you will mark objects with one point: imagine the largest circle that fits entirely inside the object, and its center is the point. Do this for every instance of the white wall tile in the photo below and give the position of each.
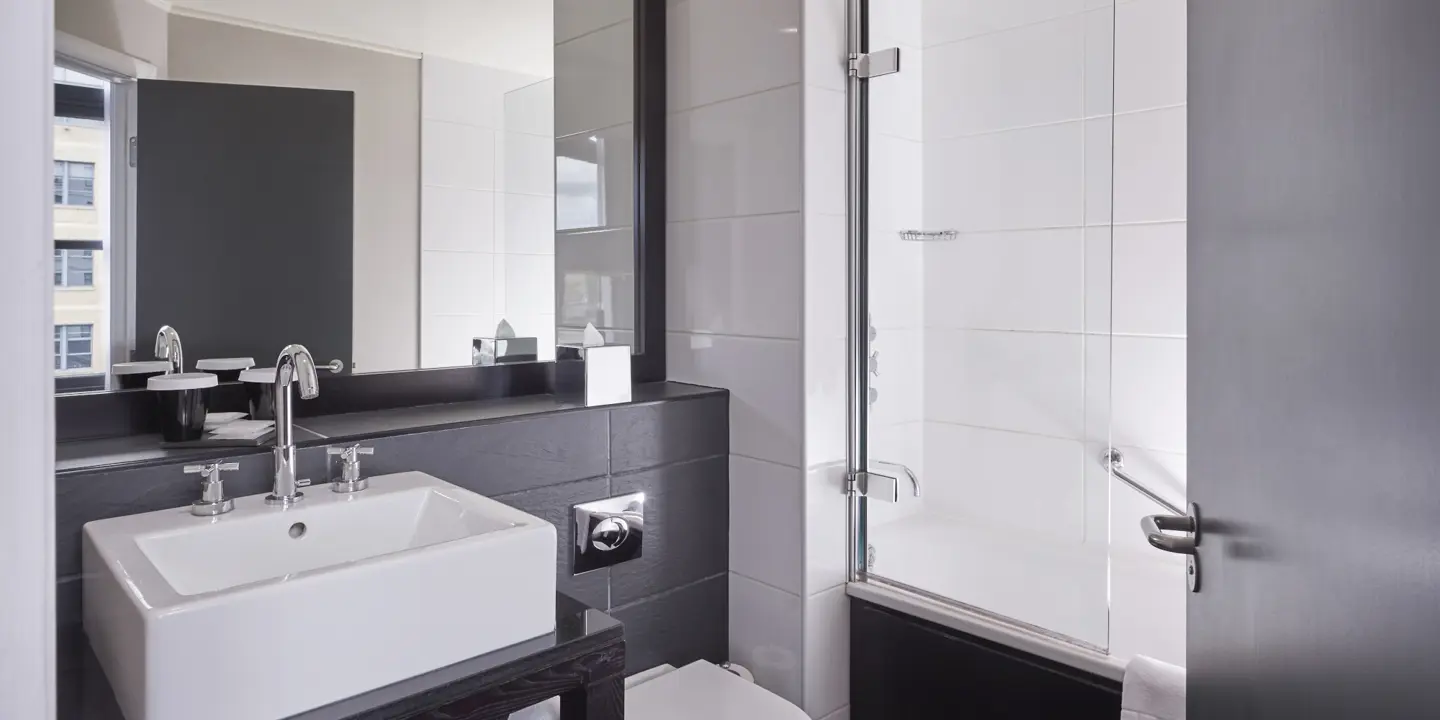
(1009, 479)
(824, 151)
(1027, 76)
(825, 394)
(1150, 166)
(903, 444)
(739, 157)
(529, 284)
(949, 20)
(1100, 62)
(896, 22)
(767, 534)
(826, 289)
(1018, 179)
(1149, 286)
(827, 652)
(456, 283)
(764, 379)
(825, 528)
(1099, 171)
(1149, 393)
(528, 223)
(578, 17)
(825, 44)
(458, 156)
(766, 636)
(1099, 289)
(1147, 609)
(526, 164)
(595, 80)
(1025, 280)
(1021, 381)
(739, 277)
(897, 106)
(900, 358)
(706, 64)
(457, 219)
(1149, 54)
(896, 280)
(897, 177)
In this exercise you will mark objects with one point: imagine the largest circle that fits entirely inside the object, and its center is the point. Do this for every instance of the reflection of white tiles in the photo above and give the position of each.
(457, 219)
(1150, 166)
(1149, 392)
(1027, 280)
(704, 64)
(1017, 179)
(1014, 480)
(766, 637)
(763, 376)
(458, 156)
(445, 340)
(531, 109)
(767, 541)
(1026, 382)
(456, 283)
(738, 157)
(529, 284)
(738, 277)
(1028, 76)
(595, 80)
(827, 652)
(526, 164)
(529, 224)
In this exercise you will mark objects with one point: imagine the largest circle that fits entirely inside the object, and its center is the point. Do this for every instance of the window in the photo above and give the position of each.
(72, 347)
(74, 183)
(74, 268)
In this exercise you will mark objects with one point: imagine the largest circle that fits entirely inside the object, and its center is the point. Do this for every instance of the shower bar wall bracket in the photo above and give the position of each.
(1114, 461)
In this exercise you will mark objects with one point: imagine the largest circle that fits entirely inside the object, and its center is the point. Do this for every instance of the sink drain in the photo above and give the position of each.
(297, 530)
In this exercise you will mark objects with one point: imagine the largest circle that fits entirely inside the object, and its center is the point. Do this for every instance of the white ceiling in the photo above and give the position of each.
(516, 35)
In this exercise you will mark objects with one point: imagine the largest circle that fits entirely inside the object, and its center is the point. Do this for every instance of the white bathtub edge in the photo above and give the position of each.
(985, 628)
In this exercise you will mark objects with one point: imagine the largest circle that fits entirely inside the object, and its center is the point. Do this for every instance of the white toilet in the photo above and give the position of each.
(698, 691)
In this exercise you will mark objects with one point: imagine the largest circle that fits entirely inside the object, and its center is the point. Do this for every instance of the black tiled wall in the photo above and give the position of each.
(673, 600)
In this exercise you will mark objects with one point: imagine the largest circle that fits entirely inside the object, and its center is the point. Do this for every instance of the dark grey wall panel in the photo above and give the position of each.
(664, 433)
(687, 527)
(678, 627)
(503, 458)
(245, 212)
(552, 504)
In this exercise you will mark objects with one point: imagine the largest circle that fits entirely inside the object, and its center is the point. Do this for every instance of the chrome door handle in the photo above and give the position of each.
(1153, 525)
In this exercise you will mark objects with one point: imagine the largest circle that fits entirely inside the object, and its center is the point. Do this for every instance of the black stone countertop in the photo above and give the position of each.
(142, 450)
(84, 693)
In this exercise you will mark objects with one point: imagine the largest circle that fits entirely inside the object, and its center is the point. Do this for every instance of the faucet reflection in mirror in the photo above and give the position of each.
(167, 347)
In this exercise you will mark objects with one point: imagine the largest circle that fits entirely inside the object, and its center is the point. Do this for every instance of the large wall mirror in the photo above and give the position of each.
(391, 183)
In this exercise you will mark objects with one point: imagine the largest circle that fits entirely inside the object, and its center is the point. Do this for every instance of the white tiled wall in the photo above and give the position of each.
(735, 304)
(487, 220)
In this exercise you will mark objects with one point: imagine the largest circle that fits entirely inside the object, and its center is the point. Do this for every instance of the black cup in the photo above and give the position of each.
(225, 369)
(183, 400)
(135, 381)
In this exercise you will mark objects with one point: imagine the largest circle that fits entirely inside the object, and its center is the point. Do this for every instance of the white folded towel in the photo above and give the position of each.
(1154, 690)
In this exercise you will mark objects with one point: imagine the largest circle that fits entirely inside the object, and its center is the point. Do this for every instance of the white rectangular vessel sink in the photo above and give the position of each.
(266, 612)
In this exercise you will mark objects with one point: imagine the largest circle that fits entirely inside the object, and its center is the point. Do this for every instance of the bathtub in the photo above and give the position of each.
(1091, 606)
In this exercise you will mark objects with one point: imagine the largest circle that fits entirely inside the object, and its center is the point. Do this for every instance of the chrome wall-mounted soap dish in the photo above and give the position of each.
(928, 235)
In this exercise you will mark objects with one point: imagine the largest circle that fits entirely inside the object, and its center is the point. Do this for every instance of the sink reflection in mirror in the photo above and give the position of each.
(345, 580)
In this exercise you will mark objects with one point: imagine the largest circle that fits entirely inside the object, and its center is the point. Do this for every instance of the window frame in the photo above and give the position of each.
(65, 188)
(64, 256)
(63, 338)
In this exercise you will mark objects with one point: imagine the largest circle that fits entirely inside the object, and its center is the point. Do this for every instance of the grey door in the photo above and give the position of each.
(1314, 370)
(244, 219)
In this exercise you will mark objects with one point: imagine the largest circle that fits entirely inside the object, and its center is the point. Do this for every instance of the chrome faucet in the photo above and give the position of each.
(294, 364)
(167, 347)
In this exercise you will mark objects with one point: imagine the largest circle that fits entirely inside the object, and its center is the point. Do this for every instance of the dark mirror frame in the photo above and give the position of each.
(127, 412)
